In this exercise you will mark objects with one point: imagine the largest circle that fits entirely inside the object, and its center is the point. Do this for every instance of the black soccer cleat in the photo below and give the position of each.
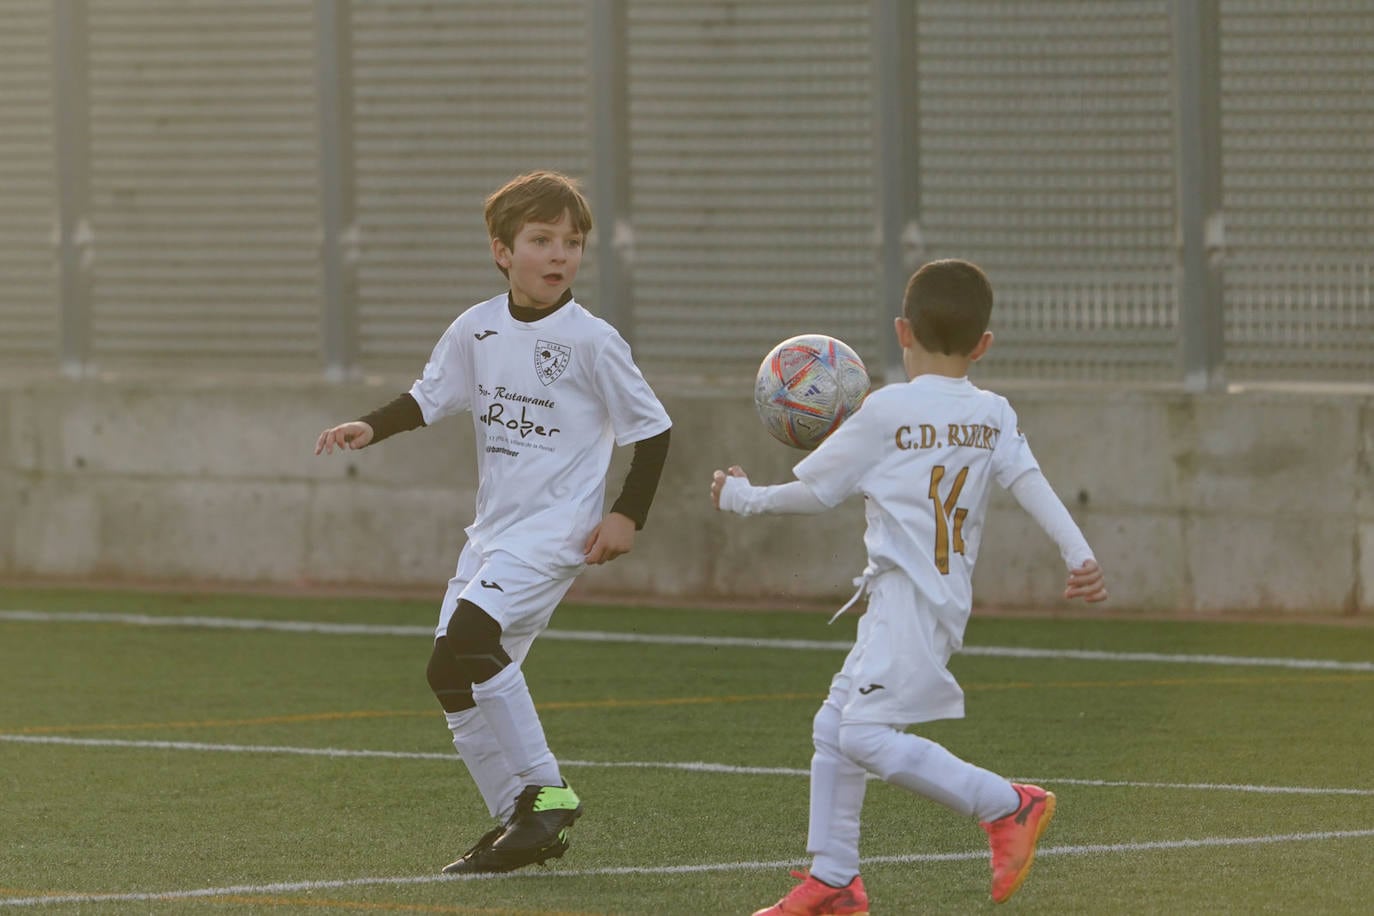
(537, 832)
(540, 823)
(464, 863)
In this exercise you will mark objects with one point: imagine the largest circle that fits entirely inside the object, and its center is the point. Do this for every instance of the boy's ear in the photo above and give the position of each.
(981, 348)
(905, 336)
(501, 254)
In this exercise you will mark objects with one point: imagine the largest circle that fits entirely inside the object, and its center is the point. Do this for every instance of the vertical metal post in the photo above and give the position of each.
(339, 241)
(72, 109)
(610, 191)
(1200, 226)
(901, 248)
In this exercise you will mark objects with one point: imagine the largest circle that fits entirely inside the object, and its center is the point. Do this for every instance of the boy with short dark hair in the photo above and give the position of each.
(551, 389)
(923, 454)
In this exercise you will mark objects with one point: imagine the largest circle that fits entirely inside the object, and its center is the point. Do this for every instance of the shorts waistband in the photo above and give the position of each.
(862, 584)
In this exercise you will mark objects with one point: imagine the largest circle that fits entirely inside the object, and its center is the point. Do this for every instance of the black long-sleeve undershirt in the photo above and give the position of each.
(641, 481)
(401, 414)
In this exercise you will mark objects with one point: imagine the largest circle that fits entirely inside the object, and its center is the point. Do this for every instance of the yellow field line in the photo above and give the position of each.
(217, 723)
(395, 714)
(681, 701)
(614, 703)
(1176, 682)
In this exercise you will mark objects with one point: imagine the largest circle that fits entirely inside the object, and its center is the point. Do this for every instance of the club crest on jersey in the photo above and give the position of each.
(550, 359)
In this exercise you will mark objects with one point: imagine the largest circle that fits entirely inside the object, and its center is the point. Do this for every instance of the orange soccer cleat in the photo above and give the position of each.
(816, 898)
(1013, 839)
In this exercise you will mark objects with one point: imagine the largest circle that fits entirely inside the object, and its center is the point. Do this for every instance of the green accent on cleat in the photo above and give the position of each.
(556, 798)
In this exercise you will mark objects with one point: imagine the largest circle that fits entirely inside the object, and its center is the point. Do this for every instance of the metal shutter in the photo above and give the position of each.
(451, 101)
(28, 295)
(1298, 152)
(751, 135)
(203, 186)
(1046, 137)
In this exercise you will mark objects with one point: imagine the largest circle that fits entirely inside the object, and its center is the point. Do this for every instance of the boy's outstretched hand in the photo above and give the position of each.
(354, 434)
(1087, 582)
(718, 482)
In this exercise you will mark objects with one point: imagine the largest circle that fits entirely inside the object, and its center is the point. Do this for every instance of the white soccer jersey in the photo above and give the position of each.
(923, 453)
(549, 400)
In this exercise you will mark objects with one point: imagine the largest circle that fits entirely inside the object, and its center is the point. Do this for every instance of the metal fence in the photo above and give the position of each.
(1161, 190)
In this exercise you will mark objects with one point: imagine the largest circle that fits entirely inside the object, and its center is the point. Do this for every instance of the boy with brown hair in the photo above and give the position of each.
(552, 389)
(923, 453)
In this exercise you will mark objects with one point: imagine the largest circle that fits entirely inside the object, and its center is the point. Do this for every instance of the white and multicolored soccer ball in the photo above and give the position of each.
(807, 386)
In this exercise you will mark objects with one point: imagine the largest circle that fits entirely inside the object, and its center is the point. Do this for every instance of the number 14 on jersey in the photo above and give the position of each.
(949, 519)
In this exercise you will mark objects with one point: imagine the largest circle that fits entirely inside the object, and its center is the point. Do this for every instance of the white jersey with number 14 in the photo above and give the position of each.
(923, 454)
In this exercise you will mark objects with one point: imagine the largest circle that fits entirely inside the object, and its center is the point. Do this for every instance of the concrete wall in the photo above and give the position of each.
(1255, 500)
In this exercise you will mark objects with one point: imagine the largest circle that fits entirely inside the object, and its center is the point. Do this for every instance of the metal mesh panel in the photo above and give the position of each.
(451, 100)
(204, 194)
(1298, 129)
(752, 141)
(28, 315)
(1046, 144)
(1046, 138)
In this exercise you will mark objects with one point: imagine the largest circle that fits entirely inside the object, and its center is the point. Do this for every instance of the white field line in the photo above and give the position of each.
(696, 767)
(636, 870)
(367, 629)
(685, 766)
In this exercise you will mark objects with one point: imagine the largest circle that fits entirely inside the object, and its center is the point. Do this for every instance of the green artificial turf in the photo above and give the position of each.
(1158, 765)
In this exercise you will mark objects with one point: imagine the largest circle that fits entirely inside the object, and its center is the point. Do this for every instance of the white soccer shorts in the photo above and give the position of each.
(897, 672)
(519, 598)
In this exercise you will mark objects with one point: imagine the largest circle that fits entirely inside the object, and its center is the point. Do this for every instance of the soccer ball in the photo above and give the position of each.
(807, 386)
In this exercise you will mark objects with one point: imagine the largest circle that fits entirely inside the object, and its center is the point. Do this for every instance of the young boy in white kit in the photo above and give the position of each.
(923, 454)
(551, 389)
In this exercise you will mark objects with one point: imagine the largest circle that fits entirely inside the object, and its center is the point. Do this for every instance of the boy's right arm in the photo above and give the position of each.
(734, 493)
(354, 434)
(401, 414)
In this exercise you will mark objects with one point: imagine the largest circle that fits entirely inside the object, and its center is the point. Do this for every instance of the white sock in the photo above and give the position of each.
(924, 767)
(506, 706)
(837, 799)
(477, 746)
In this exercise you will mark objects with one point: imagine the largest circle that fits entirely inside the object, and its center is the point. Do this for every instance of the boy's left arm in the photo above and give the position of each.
(615, 535)
(1038, 498)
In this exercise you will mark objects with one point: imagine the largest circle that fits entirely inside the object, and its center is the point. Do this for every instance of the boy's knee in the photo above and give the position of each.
(468, 654)
(446, 679)
(825, 729)
(866, 744)
(474, 639)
